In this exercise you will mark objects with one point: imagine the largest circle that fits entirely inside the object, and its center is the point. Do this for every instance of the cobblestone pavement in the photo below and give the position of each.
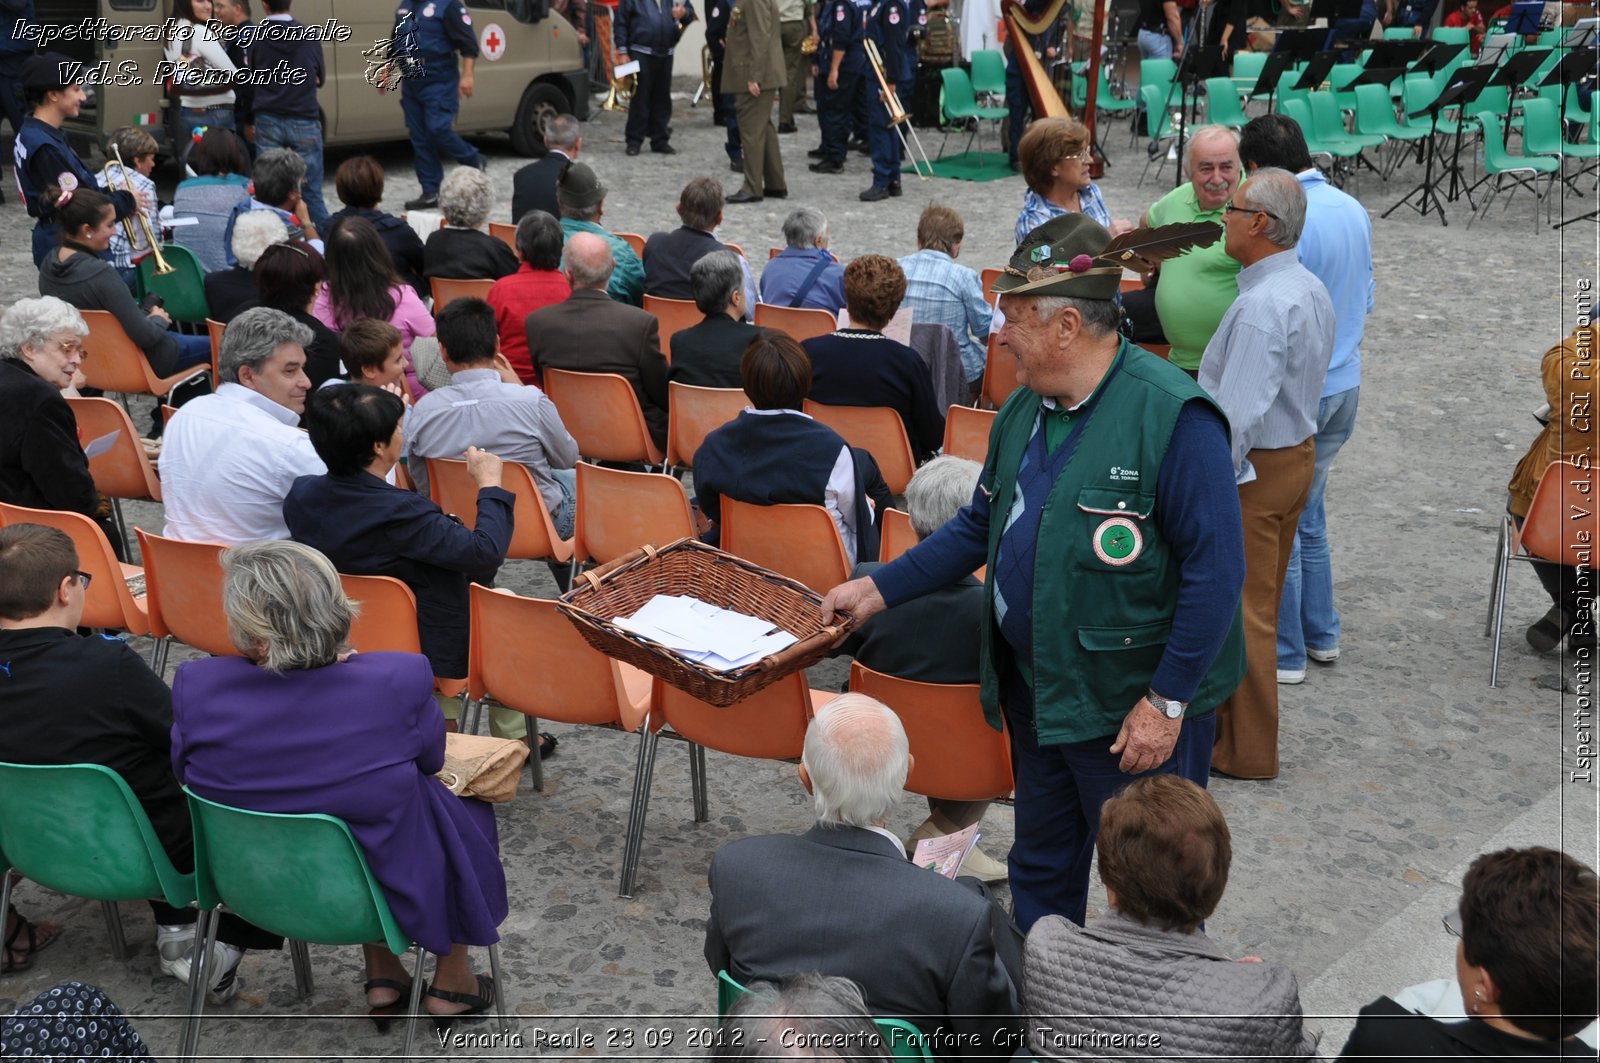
(1399, 762)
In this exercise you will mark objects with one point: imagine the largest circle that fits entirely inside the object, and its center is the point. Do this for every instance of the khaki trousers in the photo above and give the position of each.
(1270, 505)
(763, 165)
(797, 65)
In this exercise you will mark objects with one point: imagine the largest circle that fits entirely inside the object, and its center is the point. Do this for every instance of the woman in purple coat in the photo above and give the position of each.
(299, 724)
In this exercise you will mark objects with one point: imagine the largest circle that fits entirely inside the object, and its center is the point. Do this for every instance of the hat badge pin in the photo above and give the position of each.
(1118, 541)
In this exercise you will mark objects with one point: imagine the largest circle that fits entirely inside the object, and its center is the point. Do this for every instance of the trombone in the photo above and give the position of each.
(162, 265)
(897, 115)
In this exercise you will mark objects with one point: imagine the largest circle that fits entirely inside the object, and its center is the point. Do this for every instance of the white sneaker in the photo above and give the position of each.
(1290, 676)
(174, 943)
(224, 965)
(1325, 656)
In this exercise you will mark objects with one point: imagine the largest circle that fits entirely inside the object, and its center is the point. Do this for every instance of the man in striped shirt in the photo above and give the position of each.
(1265, 367)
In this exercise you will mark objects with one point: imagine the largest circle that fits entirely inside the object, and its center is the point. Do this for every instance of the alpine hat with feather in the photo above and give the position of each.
(1072, 255)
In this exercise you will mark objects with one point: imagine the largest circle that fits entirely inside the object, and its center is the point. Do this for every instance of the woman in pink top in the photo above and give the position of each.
(363, 283)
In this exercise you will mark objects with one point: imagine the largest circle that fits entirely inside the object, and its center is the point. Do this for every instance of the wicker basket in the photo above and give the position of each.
(690, 567)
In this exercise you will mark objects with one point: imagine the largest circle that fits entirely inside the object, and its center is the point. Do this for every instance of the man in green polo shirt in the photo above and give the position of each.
(1196, 289)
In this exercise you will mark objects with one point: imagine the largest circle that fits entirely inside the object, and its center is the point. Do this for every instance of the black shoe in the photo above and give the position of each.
(827, 166)
(1546, 634)
(894, 190)
(423, 202)
(736, 165)
(633, 149)
(861, 146)
(816, 153)
(665, 149)
(777, 193)
(742, 196)
(873, 194)
(788, 127)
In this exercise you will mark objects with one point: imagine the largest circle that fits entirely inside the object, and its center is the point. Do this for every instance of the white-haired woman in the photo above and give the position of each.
(41, 460)
(232, 291)
(460, 249)
(299, 724)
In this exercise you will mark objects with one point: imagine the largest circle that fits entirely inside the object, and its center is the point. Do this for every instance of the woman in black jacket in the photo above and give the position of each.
(359, 182)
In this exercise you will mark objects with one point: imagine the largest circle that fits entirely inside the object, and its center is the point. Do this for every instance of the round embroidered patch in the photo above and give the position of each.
(1118, 541)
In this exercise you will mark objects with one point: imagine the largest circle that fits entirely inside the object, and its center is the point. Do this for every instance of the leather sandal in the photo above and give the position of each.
(17, 954)
(383, 1014)
(476, 1005)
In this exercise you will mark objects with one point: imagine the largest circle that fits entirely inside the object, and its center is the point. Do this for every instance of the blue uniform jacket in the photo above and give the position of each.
(889, 25)
(12, 14)
(42, 155)
(434, 31)
(647, 26)
(842, 25)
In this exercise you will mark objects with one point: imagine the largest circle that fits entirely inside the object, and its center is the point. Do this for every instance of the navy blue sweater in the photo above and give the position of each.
(855, 367)
(285, 41)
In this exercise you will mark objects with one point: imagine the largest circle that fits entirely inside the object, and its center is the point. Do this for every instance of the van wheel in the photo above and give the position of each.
(540, 103)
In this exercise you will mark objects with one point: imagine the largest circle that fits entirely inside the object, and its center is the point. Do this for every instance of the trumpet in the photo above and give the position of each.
(162, 265)
(898, 120)
(808, 46)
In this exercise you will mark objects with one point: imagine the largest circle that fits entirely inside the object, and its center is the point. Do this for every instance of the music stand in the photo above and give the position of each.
(1582, 34)
(1316, 71)
(1197, 65)
(1469, 82)
(1436, 58)
(1519, 67)
(1525, 18)
(1573, 68)
(1290, 47)
(1468, 85)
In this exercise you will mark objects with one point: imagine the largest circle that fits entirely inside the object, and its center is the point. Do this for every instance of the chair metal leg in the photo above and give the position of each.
(159, 650)
(535, 761)
(121, 526)
(119, 941)
(697, 782)
(300, 958)
(1494, 579)
(416, 999)
(5, 897)
(1500, 612)
(199, 972)
(637, 808)
(499, 988)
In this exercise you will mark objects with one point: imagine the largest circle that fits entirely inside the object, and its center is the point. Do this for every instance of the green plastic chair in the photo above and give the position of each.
(1375, 115)
(1452, 35)
(1247, 67)
(1222, 104)
(1159, 72)
(1158, 127)
(1105, 102)
(1398, 33)
(1329, 120)
(1499, 164)
(989, 72)
(961, 105)
(1339, 79)
(183, 291)
(905, 1041)
(1299, 112)
(1542, 133)
(302, 876)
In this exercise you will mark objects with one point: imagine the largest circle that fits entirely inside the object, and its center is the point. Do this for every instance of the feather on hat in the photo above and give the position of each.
(1072, 255)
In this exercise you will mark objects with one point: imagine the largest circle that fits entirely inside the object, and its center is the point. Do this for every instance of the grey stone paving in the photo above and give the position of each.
(1399, 762)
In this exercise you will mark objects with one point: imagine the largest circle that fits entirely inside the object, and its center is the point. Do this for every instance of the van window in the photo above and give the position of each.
(133, 5)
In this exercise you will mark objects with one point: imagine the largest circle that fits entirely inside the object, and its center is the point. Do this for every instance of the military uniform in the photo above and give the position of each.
(889, 26)
(755, 54)
(842, 26)
(428, 35)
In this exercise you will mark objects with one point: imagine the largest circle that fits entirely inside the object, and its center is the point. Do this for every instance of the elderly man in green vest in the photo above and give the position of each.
(1109, 522)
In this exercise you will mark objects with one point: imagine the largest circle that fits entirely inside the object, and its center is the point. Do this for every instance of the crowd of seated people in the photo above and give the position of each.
(292, 463)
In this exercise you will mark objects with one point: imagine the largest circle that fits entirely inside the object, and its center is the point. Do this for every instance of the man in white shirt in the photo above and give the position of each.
(230, 458)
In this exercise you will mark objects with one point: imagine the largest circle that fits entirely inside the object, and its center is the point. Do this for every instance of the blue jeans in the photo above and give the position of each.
(1306, 614)
(304, 136)
(191, 118)
(1059, 793)
(193, 350)
(1155, 44)
(565, 515)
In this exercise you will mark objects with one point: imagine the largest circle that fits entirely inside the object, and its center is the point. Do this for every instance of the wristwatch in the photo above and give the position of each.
(1167, 707)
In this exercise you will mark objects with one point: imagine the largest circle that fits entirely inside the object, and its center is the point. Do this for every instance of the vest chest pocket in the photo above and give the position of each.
(1134, 637)
(1118, 527)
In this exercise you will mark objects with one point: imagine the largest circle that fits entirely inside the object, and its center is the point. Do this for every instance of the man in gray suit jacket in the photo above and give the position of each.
(843, 899)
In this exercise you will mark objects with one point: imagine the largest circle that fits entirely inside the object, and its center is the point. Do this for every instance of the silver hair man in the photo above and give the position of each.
(587, 261)
(809, 1016)
(252, 337)
(855, 762)
(277, 175)
(714, 279)
(805, 228)
(1282, 198)
(939, 490)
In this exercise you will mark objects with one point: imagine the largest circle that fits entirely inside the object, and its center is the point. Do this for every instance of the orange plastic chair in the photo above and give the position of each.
(694, 413)
(879, 431)
(773, 252)
(532, 535)
(674, 315)
(769, 725)
(800, 322)
(633, 240)
(214, 329)
(505, 232)
(528, 657)
(966, 432)
(896, 535)
(957, 755)
(110, 602)
(184, 584)
(987, 279)
(622, 511)
(798, 541)
(735, 248)
(999, 373)
(116, 364)
(1562, 525)
(602, 413)
(387, 621)
(448, 289)
(124, 471)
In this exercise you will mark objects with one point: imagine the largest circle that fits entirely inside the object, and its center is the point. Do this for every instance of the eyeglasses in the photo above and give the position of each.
(1230, 208)
(1452, 922)
(1083, 156)
(84, 579)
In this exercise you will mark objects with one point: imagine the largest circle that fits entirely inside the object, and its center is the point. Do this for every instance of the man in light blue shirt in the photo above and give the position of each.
(805, 274)
(1336, 245)
(939, 292)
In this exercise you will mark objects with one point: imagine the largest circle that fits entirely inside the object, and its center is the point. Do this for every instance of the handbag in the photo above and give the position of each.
(482, 767)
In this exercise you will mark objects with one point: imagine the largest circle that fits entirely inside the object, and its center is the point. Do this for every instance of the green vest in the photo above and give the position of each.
(1105, 583)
